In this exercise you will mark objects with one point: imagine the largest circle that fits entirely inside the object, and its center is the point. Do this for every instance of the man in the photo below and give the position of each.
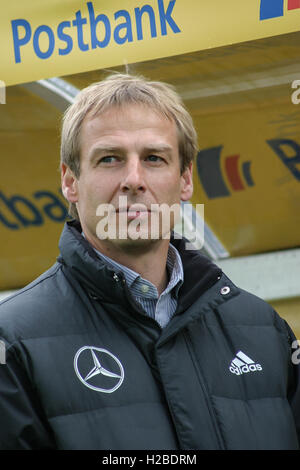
(135, 342)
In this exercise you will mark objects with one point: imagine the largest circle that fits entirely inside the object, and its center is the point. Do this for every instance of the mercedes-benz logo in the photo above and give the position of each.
(98, 369)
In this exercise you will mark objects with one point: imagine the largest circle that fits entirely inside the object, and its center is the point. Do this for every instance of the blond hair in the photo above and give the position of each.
(118, 90)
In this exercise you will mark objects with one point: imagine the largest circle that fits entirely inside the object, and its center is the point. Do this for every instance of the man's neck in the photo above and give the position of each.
(149, 260)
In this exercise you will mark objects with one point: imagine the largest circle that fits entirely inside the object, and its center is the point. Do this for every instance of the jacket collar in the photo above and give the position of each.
(98, 277)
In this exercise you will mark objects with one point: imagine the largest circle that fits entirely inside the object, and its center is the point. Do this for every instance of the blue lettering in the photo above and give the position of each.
(13, 203)
(36, 37)
(55, 209)
(127, 25)
(79, 22)
(64, 37)
(138, 17)
(8, 224)
(165, 17)
(100, 30)
(93, 23)
(289, 162)
(18, 42)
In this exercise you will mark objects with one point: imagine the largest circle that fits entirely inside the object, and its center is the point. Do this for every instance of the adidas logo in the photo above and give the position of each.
(242, 364)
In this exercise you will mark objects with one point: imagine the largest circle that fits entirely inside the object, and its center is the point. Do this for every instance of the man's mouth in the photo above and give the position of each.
(134, 211)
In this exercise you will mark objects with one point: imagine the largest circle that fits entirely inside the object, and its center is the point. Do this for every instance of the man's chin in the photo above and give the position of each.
(136, 245)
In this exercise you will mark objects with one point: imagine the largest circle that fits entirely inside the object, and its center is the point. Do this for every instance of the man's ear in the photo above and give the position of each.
(69, 184)
(187, 183)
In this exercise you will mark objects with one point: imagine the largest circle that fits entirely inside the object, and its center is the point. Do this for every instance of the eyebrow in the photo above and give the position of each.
(103, 148)
(159, 148)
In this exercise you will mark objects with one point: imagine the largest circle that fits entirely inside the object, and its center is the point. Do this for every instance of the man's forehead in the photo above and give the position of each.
(114, 127)
(117, 112)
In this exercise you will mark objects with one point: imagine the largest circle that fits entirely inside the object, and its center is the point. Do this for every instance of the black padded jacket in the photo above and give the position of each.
(86, 368)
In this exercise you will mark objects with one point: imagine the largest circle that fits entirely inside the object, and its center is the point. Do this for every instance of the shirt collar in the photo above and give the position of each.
(174, 266)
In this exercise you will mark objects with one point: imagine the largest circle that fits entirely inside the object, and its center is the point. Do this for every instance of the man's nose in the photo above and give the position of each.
(134, 178)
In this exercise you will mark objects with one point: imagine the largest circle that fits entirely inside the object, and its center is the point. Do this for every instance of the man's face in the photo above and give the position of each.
(132, 152)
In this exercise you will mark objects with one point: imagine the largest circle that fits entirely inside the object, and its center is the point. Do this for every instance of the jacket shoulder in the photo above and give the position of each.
(245, 308)
(27, 312)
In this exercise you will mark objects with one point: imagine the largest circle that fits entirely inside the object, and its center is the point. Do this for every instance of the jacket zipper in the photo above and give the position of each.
(205, 392)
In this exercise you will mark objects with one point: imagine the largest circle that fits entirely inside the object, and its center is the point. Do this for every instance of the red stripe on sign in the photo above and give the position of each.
(232, 171)
(293, 4)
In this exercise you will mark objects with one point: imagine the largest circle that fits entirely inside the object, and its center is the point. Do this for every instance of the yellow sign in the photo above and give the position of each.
(45, 39)
(240, 96)
(32, 208)
(248, 175)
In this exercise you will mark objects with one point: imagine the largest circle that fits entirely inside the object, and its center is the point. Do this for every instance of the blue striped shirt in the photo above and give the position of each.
(160, 307)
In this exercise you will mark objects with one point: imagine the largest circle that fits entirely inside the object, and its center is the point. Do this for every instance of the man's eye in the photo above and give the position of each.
(108, 159)
(154, 158)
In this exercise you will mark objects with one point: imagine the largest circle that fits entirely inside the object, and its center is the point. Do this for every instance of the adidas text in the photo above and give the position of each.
(242, 364)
